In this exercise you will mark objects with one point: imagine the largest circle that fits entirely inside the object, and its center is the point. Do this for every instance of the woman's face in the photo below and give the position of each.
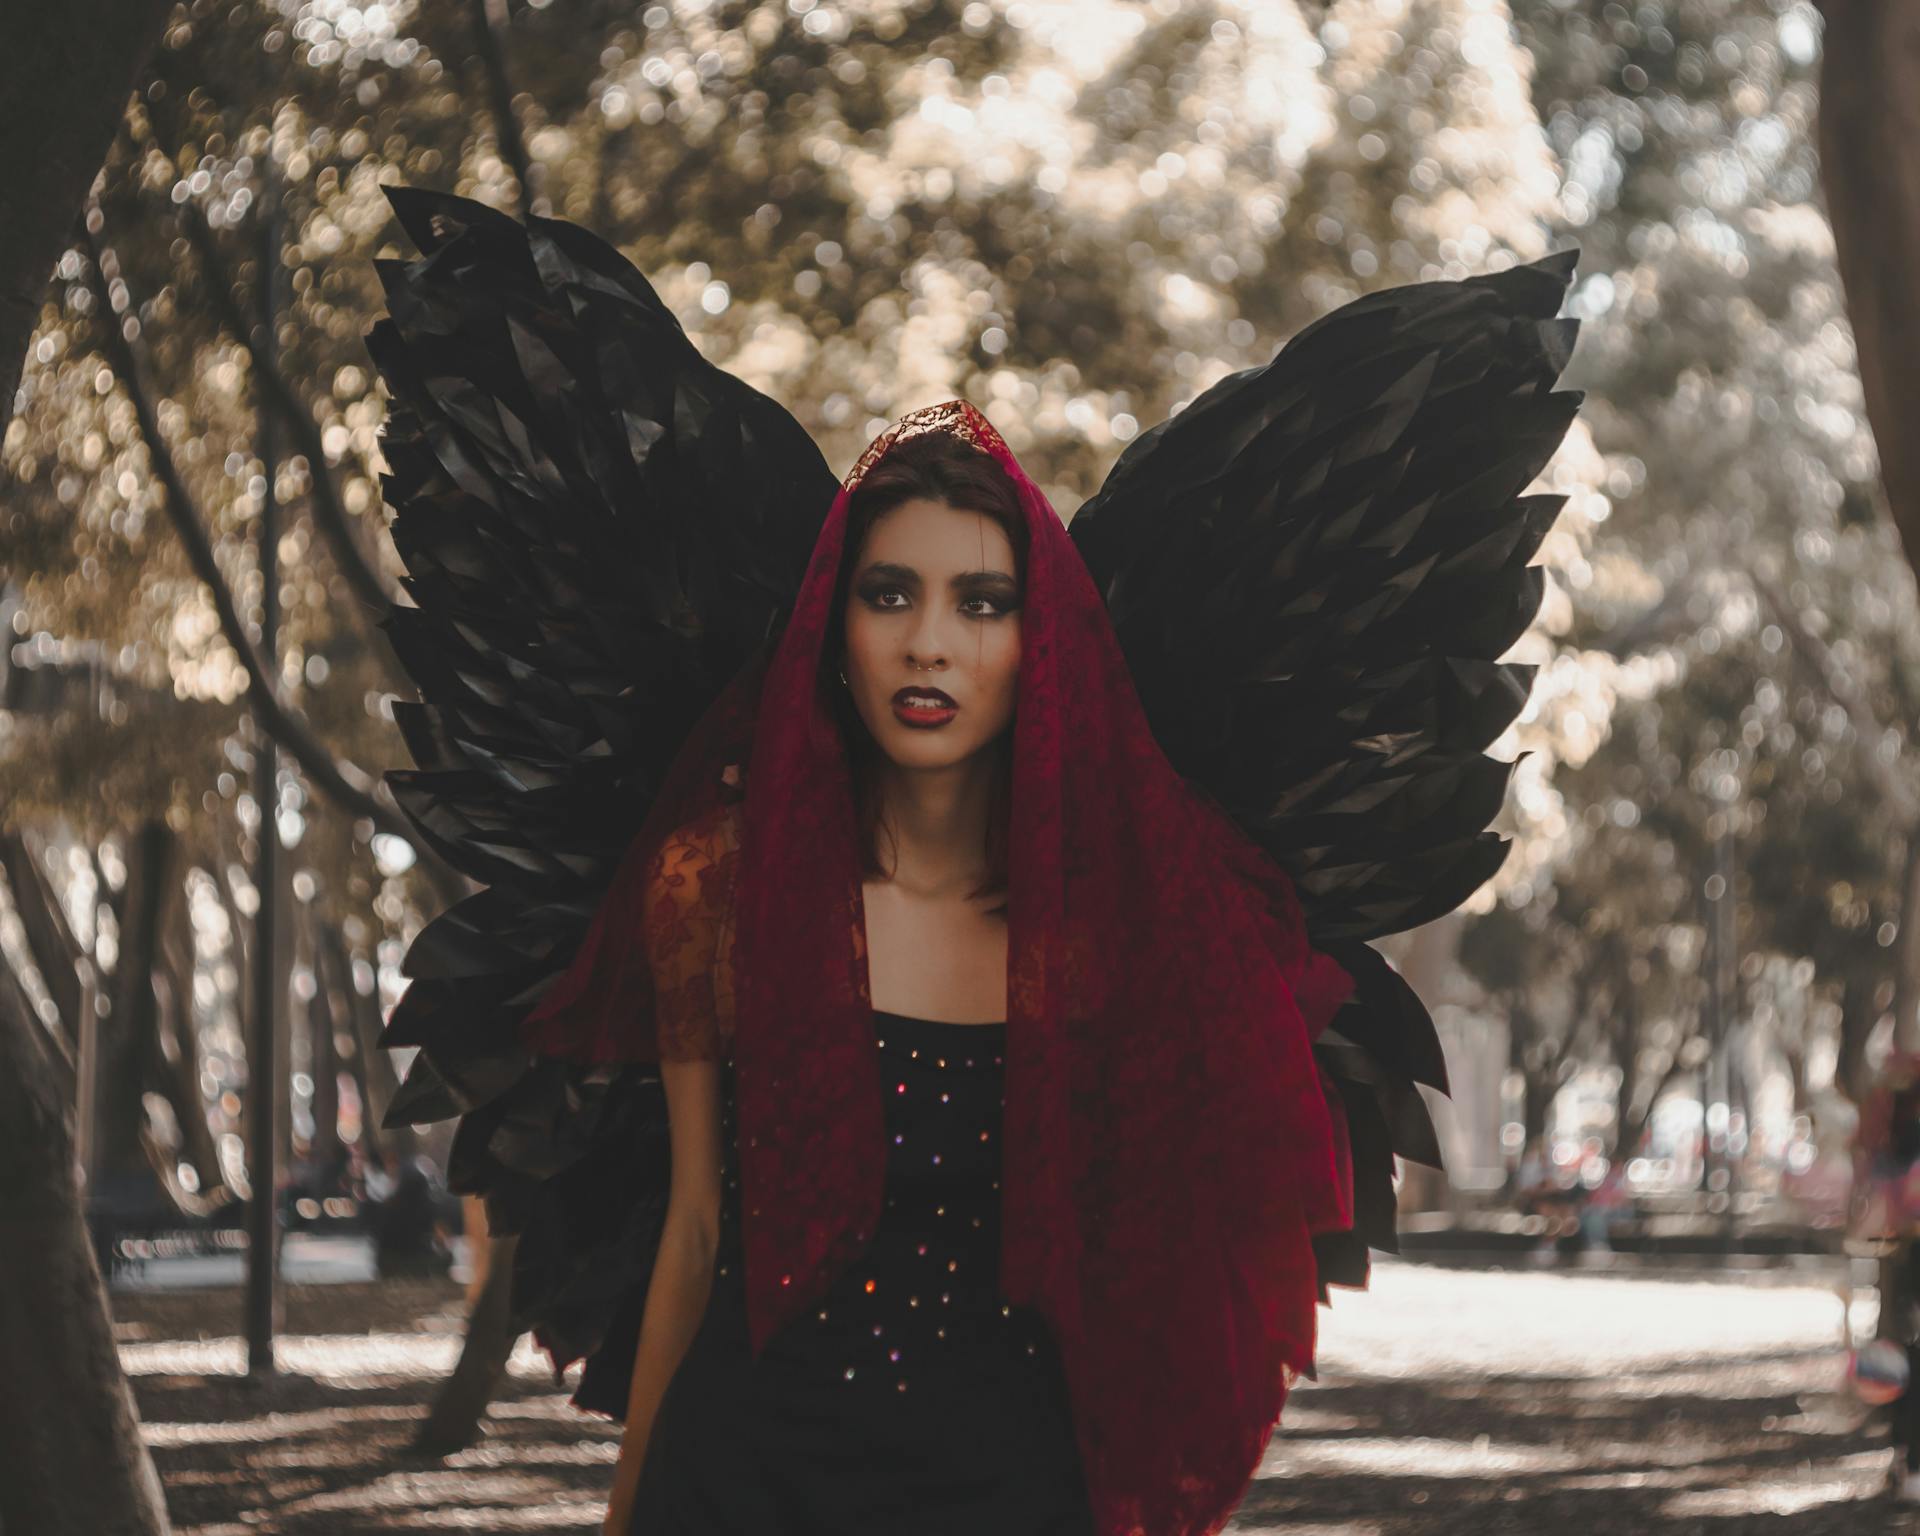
(933, 610)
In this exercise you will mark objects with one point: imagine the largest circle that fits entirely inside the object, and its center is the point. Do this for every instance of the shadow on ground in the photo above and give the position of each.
(1720, 1445)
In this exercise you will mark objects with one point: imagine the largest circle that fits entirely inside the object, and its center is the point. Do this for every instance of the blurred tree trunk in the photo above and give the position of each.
(332, 981)
(148, 1041)
(130, 1057)
(1536, 1059)
(49, 940)
(1428, 959)
(323, 1064)
(180, 1046)
(1862, 997)
(1870, 166)
(1906, 952)
(65, 73)
(376, 1064)
(74, 1461)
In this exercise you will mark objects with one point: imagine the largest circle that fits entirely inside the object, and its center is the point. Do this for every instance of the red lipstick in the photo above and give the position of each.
(923, 708)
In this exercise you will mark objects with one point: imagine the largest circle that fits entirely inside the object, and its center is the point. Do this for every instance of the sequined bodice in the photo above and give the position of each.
(924, 1297)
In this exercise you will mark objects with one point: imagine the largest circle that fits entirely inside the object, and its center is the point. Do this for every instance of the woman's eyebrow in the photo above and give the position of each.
(907, 575)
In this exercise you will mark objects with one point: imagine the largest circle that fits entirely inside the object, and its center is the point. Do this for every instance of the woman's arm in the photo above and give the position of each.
(682, 1280)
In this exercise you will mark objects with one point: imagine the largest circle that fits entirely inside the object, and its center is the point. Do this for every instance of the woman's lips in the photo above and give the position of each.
(923, 708)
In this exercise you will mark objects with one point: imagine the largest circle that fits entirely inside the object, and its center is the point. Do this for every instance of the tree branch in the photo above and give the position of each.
(277, 391)
(1661, 624)
(50, 941)
(65, 73)
(328, 506)
(489, 28)
(345, 784)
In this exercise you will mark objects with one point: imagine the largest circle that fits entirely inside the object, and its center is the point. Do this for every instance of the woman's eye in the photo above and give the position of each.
(980, 607)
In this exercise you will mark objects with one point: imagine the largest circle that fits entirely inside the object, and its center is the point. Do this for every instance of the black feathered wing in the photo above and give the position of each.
(1313, 569)
(600, 528)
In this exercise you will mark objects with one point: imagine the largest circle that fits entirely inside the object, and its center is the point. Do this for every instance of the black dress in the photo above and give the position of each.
(914, 1401)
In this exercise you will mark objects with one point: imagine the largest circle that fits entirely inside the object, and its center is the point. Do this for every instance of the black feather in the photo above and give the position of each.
(599, 528)
(1313, 569)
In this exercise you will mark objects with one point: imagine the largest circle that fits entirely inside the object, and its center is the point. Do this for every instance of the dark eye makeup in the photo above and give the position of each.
(993, 588)
(875, 597)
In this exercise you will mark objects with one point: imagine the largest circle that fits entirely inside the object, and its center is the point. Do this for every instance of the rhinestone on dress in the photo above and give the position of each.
(930, 1185)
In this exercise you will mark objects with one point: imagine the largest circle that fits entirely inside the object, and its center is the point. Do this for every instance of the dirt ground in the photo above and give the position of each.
(1449, 1402)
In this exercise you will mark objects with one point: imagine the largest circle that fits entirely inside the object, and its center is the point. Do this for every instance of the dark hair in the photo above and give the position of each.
(936, 466)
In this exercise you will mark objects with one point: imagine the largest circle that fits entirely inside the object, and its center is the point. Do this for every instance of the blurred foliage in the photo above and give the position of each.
(1739, 464)
(1077, 214)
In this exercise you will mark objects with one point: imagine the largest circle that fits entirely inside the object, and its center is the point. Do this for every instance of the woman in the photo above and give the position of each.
(930, 815)
(1025, 863)
(946, 1406)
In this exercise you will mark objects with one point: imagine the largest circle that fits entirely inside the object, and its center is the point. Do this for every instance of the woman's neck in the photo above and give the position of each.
(933, 825)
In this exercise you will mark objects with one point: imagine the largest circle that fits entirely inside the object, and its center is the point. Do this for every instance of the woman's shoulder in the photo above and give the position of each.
(689, 931)
(698, 859)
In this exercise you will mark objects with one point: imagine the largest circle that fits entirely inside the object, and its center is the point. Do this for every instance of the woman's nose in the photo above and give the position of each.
(927, 644)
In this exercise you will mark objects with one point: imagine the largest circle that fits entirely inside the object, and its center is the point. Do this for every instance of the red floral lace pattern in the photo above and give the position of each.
(671, 911)
(689, 938)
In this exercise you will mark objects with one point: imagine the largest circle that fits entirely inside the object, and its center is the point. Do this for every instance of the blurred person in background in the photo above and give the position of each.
(409, 1214)
(1886, 1210)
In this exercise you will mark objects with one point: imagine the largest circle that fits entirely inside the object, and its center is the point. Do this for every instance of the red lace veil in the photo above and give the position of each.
(1167, 1150)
